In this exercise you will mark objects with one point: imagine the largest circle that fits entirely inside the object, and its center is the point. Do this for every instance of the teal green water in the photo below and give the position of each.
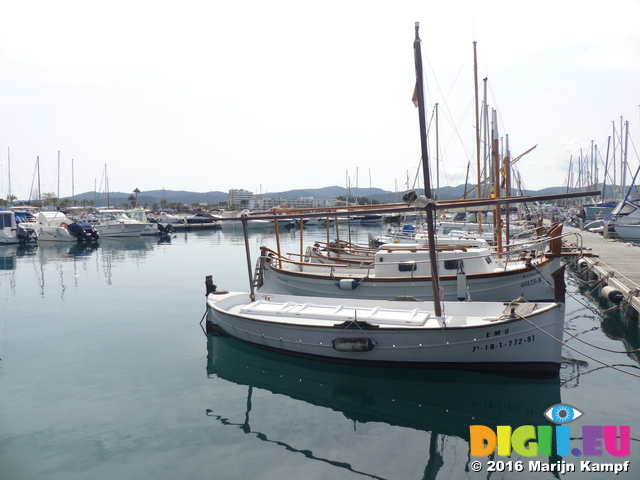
(105, 373)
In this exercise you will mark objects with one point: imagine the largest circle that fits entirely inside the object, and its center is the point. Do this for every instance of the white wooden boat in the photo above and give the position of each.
(451, 238)
(405, 270)
(489, 336)
(515, 336)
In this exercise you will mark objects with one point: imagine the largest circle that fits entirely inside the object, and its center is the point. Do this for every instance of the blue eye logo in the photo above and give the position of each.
(562, 413)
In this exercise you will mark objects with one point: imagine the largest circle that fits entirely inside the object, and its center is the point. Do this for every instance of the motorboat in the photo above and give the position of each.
(114, 223)
(228, 219)
(57, 227)
(153, 227)
(14, 233)
(168, 218)
(624, 219)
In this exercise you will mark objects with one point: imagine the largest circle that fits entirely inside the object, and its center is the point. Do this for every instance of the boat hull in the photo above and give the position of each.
(56, 234)
(121, 229)
(628, 232)
(510, 344)
(504, 286)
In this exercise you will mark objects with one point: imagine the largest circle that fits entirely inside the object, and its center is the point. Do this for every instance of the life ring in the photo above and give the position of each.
(62, 224)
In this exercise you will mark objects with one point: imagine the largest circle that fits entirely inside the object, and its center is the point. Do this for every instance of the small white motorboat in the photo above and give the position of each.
(13, 233)
(114, 223)
(57, 227)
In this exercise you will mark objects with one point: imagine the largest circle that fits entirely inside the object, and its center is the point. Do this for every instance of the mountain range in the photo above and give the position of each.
(216, 197)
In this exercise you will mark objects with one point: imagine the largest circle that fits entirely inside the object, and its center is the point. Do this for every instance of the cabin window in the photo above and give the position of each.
(488, 260)
(2, 225)
(407, 266)
(627, 209)
(450, 264)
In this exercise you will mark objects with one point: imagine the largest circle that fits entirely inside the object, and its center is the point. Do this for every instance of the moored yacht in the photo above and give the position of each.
(114, 223)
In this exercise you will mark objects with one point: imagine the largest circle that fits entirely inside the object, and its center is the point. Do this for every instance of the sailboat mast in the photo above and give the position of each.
(613, 158)
(435, 281)
(606, 169)
(39, 195)
(58, 195)
(475, 90)
(9, 175)
(624, 157)
(507, 185)
(437, 157)
(495, 151)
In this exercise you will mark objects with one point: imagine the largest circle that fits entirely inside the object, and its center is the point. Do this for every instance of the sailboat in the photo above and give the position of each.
(516, 336)
(397, 270)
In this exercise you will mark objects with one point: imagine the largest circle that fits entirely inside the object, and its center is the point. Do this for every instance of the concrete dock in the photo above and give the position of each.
(613, 261)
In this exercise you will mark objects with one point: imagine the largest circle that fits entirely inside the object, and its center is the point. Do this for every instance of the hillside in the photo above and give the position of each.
(216, 197)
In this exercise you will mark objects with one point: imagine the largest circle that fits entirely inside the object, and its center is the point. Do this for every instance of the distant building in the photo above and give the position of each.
(267, 203)
(249, 200)
(240, 197)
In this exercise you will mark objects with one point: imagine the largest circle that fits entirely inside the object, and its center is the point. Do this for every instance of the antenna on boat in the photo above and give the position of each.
(431, 205)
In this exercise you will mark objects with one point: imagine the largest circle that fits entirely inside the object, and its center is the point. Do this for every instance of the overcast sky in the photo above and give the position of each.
(278, 95)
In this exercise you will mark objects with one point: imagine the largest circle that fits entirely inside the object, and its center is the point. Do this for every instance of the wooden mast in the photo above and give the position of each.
(475, 82)
(430, 208)
(507, 188)
(495, 152)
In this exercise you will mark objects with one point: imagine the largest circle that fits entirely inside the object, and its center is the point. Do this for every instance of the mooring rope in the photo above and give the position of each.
(576, 350)
(601, 348)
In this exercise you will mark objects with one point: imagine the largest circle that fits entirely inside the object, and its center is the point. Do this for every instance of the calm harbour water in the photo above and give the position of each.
(105, 373)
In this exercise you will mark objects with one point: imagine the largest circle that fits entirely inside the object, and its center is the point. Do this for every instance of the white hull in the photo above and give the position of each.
(505, 286)
(55, 234)
(8, 240)
(121, 229)
(628, 232)
(473, 336)
(116, 223)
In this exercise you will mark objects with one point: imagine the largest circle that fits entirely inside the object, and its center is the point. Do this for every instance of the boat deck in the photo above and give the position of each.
(614, 259)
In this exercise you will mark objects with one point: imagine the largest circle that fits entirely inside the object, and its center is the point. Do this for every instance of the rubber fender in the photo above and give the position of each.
(612, 294)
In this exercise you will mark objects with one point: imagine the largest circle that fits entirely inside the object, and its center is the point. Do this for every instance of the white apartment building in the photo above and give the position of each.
(267, 203)
(237, 196)
(247, 198)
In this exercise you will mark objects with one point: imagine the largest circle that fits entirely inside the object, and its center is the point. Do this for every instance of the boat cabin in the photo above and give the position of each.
(412, 260)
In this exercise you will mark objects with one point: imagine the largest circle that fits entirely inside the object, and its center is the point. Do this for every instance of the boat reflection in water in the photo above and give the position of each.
(10, 253)
(442, 403)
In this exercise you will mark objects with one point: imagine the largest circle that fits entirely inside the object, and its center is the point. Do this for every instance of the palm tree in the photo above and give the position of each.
(136, 191)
